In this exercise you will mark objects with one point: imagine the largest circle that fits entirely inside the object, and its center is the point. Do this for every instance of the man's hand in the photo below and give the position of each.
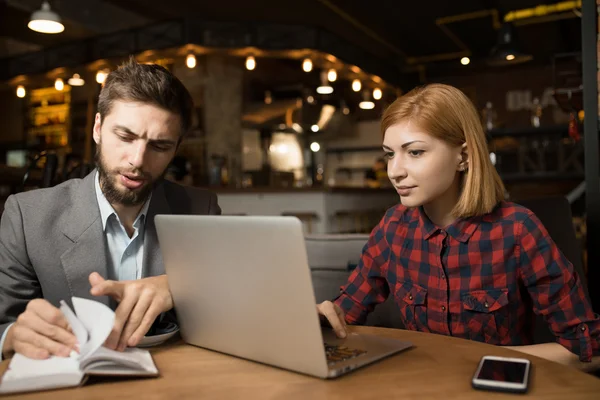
(140, 302)
(335, 316)
(39, 332)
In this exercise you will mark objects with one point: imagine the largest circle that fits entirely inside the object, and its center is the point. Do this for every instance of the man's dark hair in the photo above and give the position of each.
(150, 84)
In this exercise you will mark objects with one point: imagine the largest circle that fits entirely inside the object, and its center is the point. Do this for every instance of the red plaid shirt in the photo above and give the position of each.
(481, 278)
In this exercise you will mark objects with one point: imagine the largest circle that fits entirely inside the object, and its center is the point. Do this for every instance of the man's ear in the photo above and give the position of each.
(97, 126)
(463, 163)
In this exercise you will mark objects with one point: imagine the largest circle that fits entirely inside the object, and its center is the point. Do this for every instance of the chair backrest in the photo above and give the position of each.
(331, 259)
(555, 214)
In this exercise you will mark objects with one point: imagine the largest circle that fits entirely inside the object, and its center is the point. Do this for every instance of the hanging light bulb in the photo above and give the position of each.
(59, 84)
(377, 94)
(356, 85)
(307, 65)
(45, 20)
(465, 60)
(344, 107)
(314, 128)
(332, 75)
(76, 80)
(366, 104)
(268, 97)
(101, 76)
(315, 147)
(190, 61)
(20, 91)
(250, 63)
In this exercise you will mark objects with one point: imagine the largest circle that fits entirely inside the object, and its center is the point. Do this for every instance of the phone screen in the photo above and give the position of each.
(503, 371)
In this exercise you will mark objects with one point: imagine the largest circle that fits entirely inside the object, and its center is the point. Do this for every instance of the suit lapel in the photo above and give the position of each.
(88, 251)
(153, 261)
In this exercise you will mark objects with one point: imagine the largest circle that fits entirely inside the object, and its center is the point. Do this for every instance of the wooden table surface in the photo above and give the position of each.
(437, 367)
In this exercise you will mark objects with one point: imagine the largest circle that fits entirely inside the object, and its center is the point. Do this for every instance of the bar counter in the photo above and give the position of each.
(321, 209)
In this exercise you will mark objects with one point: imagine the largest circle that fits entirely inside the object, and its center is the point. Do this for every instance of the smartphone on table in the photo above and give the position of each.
(502, 374)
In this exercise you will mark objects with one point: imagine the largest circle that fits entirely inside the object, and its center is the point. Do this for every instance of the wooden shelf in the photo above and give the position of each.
(48, 125)
(49, 128)
(64, 107)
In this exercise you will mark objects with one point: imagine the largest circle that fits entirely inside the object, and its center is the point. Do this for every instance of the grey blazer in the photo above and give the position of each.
(52, 239)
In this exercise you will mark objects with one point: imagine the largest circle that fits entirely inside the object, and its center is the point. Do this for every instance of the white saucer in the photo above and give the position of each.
(149, 341)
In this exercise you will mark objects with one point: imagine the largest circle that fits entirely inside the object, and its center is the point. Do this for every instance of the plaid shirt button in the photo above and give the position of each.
(486, 305)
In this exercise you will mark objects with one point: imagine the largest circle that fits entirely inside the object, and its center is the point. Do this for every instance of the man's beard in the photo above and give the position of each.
(126, 197)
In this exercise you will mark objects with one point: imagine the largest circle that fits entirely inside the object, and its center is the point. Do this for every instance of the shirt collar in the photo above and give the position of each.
(106, 209)
(461, 229)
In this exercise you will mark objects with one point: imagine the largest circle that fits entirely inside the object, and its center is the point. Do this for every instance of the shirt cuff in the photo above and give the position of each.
(585, 343)
(579, 342)
(354, 312)
(3, 339)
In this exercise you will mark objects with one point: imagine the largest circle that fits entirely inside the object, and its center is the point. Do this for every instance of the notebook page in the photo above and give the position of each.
(78, 329)
(98, 320)
(132, 361)
(26, 374)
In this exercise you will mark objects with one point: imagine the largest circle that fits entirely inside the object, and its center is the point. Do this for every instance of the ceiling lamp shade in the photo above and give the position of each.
(507, 51)
(45, 20)
(325, 87)
(366, 103)
(76, 80)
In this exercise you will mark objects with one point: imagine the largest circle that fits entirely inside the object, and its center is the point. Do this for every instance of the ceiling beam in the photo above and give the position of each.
(212, 35)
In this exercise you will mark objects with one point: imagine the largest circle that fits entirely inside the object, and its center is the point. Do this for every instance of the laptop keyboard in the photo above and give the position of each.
(337, 353)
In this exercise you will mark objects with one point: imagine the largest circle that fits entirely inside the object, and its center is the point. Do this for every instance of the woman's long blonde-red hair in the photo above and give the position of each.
(446, 113)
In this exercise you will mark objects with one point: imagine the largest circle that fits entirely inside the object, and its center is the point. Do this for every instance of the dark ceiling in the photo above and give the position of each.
(409, 37)
(401, 32)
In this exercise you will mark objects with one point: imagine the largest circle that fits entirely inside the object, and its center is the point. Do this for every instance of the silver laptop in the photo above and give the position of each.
(242, 286)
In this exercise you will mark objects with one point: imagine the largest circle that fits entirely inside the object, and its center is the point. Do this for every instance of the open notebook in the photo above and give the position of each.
(91, 323)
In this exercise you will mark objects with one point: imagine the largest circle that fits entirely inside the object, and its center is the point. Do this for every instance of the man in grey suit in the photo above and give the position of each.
(95, 237)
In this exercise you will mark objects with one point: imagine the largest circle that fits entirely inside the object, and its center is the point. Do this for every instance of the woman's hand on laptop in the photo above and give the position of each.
(140, 302)
(335, 316)
(40, 331)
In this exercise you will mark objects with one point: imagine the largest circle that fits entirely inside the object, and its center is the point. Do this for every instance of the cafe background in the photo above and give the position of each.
(288, 94)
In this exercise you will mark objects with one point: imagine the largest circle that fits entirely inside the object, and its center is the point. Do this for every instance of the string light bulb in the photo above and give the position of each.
(377, 94)
(101, 76)
(307, 65)
(190, 61)
(250, 63)
(20, 91)
(332, 75)
(59, 84)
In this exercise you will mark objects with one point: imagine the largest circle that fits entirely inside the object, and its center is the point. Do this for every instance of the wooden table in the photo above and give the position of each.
(438, 367)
